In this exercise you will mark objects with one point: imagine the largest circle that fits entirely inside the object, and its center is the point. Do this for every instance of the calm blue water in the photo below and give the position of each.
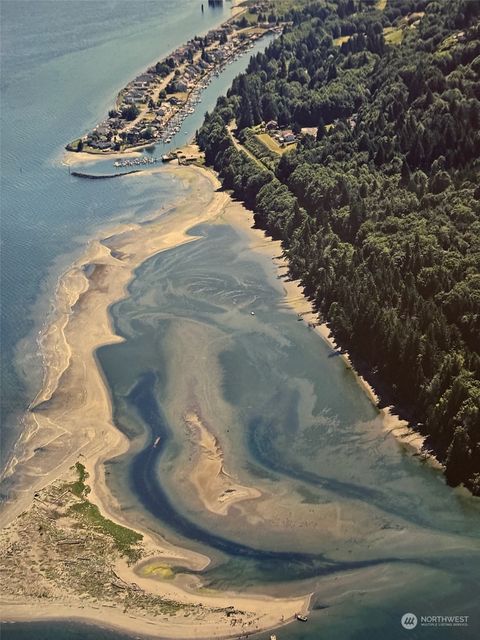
(59, 631)
(62, 63)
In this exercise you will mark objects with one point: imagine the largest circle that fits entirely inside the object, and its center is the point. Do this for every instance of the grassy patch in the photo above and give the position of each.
(89, 514)
(393, 35)
(79, 488)
(448, 43)
(262, 152)
(250, 31)
(273, 145)
(339, 41)
(123, 538)
(73, 146)
(282, 6)
(381, 4)
(251, 17)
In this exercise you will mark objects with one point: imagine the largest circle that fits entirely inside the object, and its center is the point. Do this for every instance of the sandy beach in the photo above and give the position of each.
(70, 419)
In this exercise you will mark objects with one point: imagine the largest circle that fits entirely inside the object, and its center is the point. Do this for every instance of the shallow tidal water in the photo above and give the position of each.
(294, 422)
(62, 64)
(345, 501)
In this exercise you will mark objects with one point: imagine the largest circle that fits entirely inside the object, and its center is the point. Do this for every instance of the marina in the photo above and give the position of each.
(153, 107)
(166, 132)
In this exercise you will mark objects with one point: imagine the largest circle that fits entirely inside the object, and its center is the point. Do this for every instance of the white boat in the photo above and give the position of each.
(301, 617)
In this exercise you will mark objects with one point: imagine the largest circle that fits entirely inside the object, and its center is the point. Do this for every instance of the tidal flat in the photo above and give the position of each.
(214, 421)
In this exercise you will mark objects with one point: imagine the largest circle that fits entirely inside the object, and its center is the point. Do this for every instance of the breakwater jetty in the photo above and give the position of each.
(92, 176)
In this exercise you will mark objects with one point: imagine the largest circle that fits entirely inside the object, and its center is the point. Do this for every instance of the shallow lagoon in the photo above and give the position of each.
(290, 419)
(343, 496)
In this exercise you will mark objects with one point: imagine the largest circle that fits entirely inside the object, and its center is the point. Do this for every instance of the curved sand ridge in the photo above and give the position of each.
(72, 416)
(214, 485)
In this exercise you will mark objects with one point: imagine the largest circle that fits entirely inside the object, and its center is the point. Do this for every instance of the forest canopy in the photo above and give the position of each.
(379, 210)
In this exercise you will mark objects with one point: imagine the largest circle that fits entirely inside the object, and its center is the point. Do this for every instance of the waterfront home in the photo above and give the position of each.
(132, 97)
(179, 86)
(145, 78)
(100, 144)
(190, 73)
(267, 25)
(102, 130)
(115, 123)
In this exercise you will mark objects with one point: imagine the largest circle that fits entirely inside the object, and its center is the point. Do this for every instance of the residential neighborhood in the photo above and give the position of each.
(152, 107)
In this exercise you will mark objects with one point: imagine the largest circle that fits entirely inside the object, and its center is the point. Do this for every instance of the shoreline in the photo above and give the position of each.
(73, 385)
(70, 344)
(134, 149)
(295, 301)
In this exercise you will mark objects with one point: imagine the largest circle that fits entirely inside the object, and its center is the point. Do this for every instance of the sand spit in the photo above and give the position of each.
(70, 420)
(60, 559)
(215, 487)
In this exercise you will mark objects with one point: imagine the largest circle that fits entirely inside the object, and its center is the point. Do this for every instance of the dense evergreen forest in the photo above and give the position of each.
(378, 206)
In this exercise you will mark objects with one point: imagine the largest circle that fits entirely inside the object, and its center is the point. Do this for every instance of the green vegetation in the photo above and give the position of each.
(52, 553)
(123, 538)
(340, 40)
(273, 145)
(89, 514)
(379, 213)
(130, 112)
(393, 35)
(250, 140)
(79, 488)
(76, 145)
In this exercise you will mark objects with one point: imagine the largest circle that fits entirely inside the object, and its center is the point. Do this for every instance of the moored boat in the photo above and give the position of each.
(301, 617)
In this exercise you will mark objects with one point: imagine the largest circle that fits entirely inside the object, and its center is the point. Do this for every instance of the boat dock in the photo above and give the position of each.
(136, 162)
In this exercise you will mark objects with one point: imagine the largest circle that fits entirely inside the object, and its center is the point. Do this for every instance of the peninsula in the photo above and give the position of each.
(152, 107)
